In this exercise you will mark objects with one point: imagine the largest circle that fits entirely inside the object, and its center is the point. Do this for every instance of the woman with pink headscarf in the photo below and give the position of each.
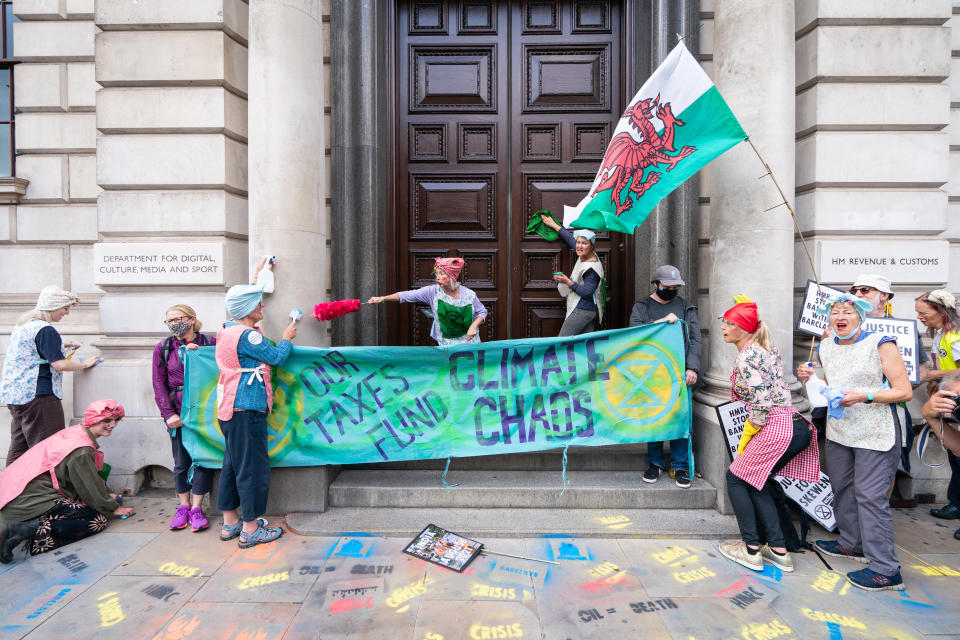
(457, 312)
(53, 495)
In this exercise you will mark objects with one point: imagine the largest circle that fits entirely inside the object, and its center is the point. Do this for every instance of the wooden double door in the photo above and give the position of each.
(501, 109)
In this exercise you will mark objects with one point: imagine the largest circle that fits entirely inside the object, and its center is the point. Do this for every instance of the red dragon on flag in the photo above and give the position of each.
(627, 158)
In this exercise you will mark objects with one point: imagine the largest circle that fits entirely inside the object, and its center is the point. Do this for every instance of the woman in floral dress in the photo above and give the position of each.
(457, 312)
(776, 440)
(863, 443)
(53, 494)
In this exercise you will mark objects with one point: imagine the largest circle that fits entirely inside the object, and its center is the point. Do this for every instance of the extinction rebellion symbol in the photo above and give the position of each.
(644, 387)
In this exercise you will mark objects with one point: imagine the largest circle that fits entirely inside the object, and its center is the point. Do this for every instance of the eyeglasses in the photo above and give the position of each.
(177, 319)
(861, 290)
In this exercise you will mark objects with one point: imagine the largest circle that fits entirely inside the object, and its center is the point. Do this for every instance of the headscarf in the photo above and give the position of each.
(744, 315)
(242, 299)
(100, 410)
(586, 233)
(53, 298)
(944, 298)
(450, 266)
(862, 306)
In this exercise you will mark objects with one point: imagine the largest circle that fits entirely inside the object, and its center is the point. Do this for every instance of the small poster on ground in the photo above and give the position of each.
(443, 548)
(814, 498)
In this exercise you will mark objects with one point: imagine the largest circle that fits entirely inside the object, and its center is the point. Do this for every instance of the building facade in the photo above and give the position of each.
(162, 147)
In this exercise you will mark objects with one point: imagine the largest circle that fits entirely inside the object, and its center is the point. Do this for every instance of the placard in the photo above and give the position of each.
(809, 321)
(903, 261)
(814, 498)
(443, 548)
(140, 263)
(908, 340)
(902, 329)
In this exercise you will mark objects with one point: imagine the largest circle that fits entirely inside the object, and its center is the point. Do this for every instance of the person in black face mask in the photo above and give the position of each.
(665, 305)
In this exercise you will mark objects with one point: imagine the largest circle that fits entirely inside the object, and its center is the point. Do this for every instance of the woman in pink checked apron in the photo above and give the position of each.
(776, 440)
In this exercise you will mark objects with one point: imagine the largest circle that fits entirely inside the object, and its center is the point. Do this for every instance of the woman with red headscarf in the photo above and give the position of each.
(782, 442)
(52, 495)
(457, 312)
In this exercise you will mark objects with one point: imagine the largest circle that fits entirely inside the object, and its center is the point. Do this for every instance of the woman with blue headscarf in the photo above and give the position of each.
(583, 288)
(866, 372)
(245, 397)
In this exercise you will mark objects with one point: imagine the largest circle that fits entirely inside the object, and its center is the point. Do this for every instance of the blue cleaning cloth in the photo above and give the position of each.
(833, 398)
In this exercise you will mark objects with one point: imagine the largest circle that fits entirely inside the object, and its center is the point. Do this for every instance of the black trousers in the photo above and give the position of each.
(202, 477)
(245, 478)
(953, 489)
(32, 422)
(756, 508)
(67, 521)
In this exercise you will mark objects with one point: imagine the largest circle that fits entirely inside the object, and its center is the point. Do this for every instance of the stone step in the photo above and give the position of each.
(490, 489)
(518, 523)
(625, 457)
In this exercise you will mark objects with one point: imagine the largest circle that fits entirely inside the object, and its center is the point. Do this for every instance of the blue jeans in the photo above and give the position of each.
(678, 454)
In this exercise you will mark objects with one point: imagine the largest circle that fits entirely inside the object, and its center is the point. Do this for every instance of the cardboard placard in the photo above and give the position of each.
(809, 321)
(814, 498)
(443, 548)
(907, 337)
(903, 330)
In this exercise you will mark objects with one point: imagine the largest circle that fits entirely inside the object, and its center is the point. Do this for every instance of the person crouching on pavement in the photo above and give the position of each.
(244, 357)
(776, 440)
(664, 305)
(52, 495)
(863, 444)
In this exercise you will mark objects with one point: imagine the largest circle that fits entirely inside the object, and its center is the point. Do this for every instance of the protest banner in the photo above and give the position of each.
(903, 330)
(443, 548)
(373, 404)
(814, 498)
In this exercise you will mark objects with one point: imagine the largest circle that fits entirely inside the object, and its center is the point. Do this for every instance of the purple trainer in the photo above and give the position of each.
(180, 517)
(197, 520)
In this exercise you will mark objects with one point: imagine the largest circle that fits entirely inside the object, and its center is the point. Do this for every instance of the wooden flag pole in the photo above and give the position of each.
(803, 241)
(510, 555)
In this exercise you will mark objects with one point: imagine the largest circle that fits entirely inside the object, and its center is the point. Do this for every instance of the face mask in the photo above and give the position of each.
(667, 294)
(180, 328)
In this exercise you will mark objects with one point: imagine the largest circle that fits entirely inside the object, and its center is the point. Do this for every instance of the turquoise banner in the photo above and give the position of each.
(373, 404)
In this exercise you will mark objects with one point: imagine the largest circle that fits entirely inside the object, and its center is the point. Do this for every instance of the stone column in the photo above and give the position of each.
(288, 216)
(287, 161)
(751, 249)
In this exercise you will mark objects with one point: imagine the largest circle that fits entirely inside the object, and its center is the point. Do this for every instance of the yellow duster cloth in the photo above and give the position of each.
(748, 432)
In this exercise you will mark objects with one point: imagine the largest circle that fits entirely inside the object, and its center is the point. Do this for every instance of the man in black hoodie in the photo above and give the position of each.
(664, 305)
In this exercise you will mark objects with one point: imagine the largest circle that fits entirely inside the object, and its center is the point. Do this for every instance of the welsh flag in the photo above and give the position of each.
(676, 124)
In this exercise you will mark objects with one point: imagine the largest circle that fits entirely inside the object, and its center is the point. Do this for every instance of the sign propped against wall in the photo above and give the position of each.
(376, 404)
(814, 498)
(903, 330)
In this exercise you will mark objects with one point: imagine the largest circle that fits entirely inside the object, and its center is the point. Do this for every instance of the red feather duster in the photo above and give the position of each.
(335, 309)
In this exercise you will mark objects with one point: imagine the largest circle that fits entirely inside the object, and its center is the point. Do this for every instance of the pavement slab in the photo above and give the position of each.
(442, 619)
(229, 621)
(119, 607)
(268, 572)
(139, 580)
(47, 582)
